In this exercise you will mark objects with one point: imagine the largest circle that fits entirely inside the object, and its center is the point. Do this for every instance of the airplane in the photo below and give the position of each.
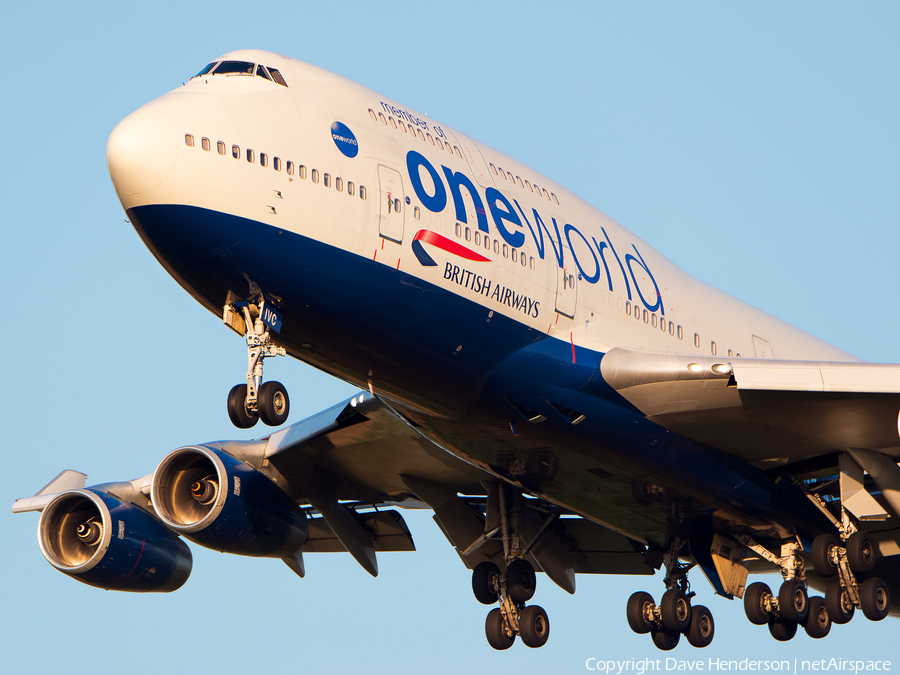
(564, 398)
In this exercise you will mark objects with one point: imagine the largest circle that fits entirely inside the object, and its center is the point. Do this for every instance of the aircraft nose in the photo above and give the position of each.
(141, 151)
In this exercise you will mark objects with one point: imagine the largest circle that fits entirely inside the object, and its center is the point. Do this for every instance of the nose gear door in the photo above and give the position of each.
(392, 207)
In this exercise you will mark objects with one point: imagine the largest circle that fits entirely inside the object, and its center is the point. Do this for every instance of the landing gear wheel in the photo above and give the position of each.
(837, 602)
(860, 553)
(483, 582)
(818, 623)
(702, 628)
(675, 610)
(782, 630)
(874, 599)
(521, 581)
(273, 403)
(498, 636)
(636, 612)
(665, 639)
(237, 408)
(755, 599)
(534, 626)
(793, 602)
(821, 555)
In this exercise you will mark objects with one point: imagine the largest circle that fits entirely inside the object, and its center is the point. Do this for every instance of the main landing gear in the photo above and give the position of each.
(514, 586)
(256, 399)
(674, 616)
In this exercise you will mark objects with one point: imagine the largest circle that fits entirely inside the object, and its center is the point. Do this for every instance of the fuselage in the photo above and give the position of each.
(471, 291)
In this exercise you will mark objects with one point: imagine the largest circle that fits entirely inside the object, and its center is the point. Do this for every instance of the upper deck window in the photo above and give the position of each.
(206, 70)
(234, 67)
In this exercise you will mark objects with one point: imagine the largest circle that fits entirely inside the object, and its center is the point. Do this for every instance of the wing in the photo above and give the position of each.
(766, 411)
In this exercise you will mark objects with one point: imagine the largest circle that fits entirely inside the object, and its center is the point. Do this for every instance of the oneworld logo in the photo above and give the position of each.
(344, 139)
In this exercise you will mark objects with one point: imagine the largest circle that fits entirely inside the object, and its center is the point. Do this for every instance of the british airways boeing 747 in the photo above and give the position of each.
(563, 397)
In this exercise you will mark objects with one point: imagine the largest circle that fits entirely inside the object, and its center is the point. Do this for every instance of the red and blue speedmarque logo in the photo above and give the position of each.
(439, 241)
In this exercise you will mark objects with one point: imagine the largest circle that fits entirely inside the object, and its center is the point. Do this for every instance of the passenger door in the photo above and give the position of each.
(392, 207)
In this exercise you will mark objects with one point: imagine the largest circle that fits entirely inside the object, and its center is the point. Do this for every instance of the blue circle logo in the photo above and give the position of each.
(344, 139)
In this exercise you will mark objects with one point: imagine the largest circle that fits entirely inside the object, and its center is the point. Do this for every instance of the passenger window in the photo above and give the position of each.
(235, 152)
(501, 172)
(496, 246)
(373, 115)
(302, 172)
(552, 194)
(468, 234)
(402, 127)
(204, 143)
(382, 118)
(662, 325)
(421, 136)
(515, 253)
(417, 213)
(493, 169)
(189, 140)
(393, 123)
(522, 259)
(511, 179)
(362, 191)
(528, 185)
(315, 175)
(487, 242)
(276, 76)
(697, 340)
(326, 179)
(439, 144)
(712, 348)
(505, 251)
(671, 328)
(289, 168)
(339, 184)
(478, 238)
(261, 72)
(456, 150)
(680, 333)
(263, 159)
(412, 130)
(531, 261)
(458, 230)
(546, 195)
(519, 181)
(627, 308)
(220, 147)
(276, 163)
(653, 320)
(250, 155)
(430, 139)
(350, 187)
(730, 353)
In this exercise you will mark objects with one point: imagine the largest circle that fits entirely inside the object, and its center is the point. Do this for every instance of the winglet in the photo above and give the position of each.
(67, 480)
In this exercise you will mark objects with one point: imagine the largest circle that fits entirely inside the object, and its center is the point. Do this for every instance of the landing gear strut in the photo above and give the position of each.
(256, 400)
(674, 616)
(512, 588)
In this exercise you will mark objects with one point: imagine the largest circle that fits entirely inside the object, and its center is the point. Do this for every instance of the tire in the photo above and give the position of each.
(754, 603)
(665, 639)
(782, 630)
(861, 552)
(793, 601)
(636, 612)
(821, 555)
(521, 581)
(497, 637)
(702, 629)
(237, 408)
(273, 404)
(838, 604)
(482, 577)
(675, 610)
(534, 626)
(818, 622)
(874, 599)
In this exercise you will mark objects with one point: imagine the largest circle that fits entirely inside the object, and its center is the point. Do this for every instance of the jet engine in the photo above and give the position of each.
(225, 504)
(105, 542)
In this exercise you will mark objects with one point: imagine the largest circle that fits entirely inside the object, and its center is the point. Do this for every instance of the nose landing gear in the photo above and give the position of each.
(256, 400)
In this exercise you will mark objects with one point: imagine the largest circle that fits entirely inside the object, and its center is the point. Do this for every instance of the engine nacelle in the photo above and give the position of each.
(105, 542)
(225, 504)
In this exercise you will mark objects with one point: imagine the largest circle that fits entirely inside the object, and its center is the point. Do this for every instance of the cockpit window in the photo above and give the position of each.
(206, 70)
(239, 67)
(261, 71)
(277, 77)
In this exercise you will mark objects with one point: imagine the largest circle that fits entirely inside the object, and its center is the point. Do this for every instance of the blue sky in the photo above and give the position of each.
(754, 144)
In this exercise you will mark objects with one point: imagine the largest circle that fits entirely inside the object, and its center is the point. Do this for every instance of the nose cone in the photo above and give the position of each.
(141, 151)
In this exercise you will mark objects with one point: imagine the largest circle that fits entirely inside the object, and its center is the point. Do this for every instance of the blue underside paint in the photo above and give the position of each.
(427, 346)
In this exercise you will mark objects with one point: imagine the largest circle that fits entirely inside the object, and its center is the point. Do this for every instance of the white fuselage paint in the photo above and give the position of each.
(293, 123)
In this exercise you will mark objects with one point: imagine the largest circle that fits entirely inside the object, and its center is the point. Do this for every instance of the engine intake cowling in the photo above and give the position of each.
(225, 504)
(105, 542)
